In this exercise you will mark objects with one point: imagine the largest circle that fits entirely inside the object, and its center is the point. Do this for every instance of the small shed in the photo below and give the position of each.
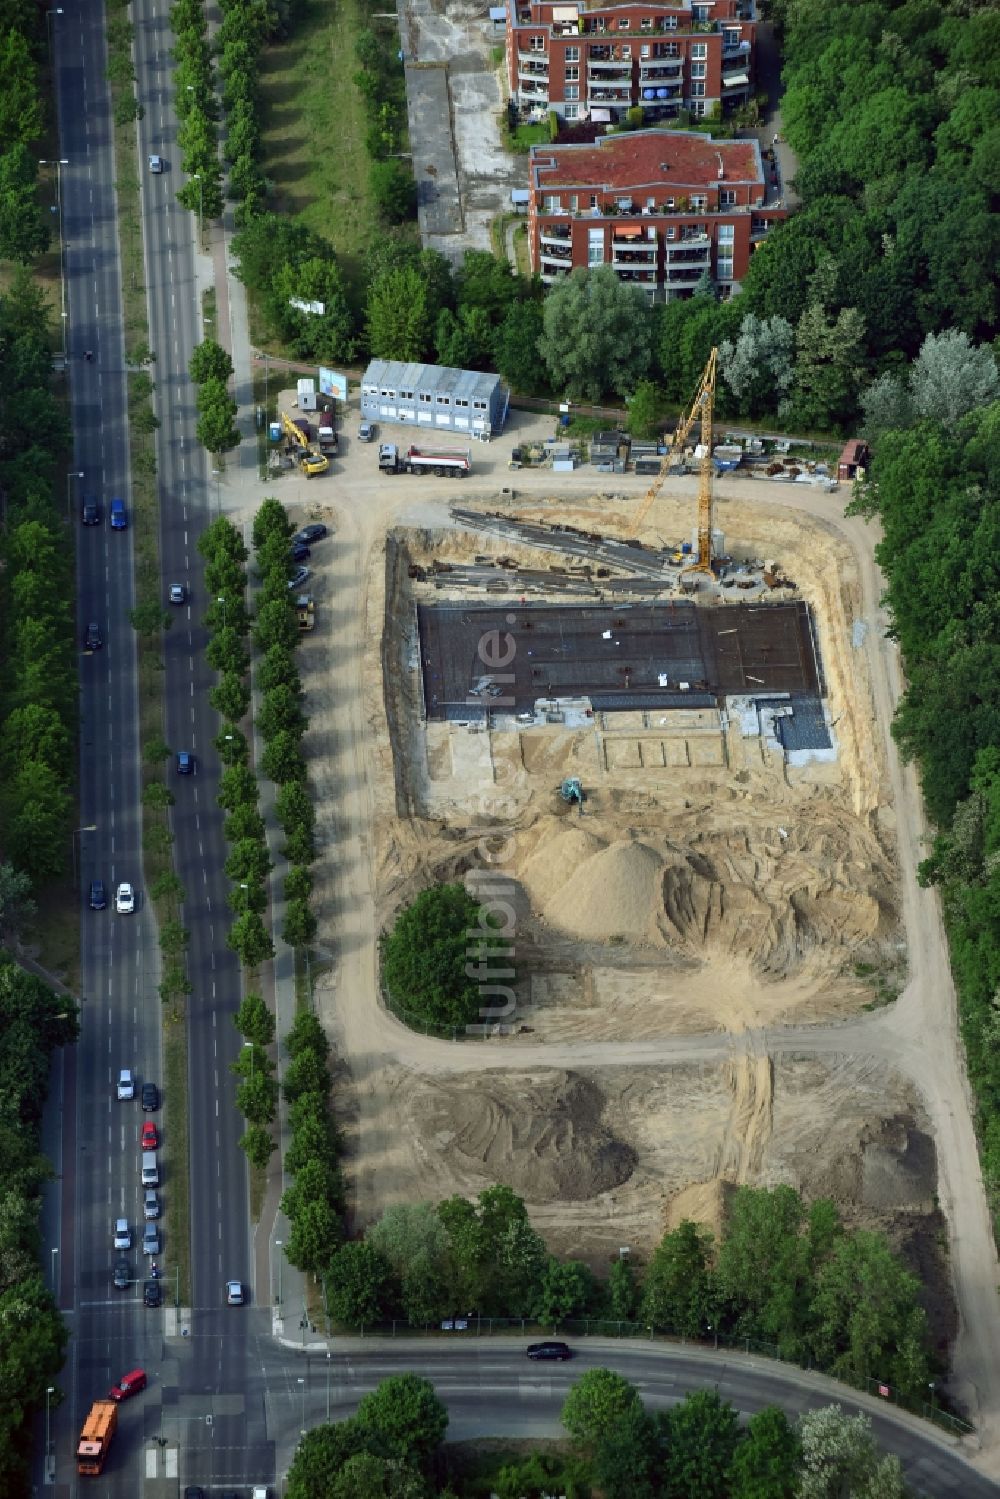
(854, 459)
(519, 199)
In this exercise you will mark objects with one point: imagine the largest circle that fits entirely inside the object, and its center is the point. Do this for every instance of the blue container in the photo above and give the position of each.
(686, 549)
(274, 431)
(564, 419)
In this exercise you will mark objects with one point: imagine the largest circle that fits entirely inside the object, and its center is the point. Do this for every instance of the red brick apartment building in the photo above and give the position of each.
(661, 206)
(590, 61)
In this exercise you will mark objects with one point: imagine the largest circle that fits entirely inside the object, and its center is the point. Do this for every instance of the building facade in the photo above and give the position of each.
(434, 398)
(590, 61)
(663, 207)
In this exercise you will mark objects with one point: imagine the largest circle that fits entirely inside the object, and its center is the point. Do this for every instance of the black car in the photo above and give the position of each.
(548, 1351)
(152, 1295)
(98, 895)
(93, 639)
(120, 1275)
(90, 511)
(309, 534)
(194, 1492)
(150, 1097)
(298, 551)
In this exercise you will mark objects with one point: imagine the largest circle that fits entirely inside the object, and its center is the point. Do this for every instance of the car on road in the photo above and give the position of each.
(124, 899)
(123, 1234)
(298, 577)
(309, 534)
(234, 1293)
(178, 593)
(299, 552)
(98, 895)
(194, 1492)
(366, 431)
(126, 1084)
(156, 165)
(119, 515)
(549, 1351)
(185, 763)
(129, 1384)
(150, 1203)
(151, 1239)
(120, 1274)
(90, 510)
(92, 637)
(150, 1139)
(150, 1097)
(152, 1295)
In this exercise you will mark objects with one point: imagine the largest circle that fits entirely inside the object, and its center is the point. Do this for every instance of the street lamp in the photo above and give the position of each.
(278, 1245)
(48, 1445)
(217, 476)
(221, 599)
(302, 1431)
(55, 1251)
(78, 474)
(59, 163)
(328, 1386)
(249, 1043)
(90, 828)
(196, 177)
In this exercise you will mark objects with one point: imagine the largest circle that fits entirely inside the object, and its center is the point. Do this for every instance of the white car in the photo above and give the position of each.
(234, 1293)
(150, 1203)
(178, 593)
(156, 164)
(126, 1084)
(124, 899)
(123, 1234)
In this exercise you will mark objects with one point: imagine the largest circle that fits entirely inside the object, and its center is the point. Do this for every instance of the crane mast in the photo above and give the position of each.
(701, 408)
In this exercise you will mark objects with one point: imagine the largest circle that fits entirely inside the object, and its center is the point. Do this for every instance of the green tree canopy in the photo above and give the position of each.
(596, 335)
(425, 958)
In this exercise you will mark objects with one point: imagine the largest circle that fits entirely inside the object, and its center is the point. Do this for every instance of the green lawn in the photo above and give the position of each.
(313, 127)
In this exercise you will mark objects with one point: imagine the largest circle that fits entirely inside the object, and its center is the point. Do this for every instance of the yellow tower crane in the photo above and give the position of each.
(701, 407)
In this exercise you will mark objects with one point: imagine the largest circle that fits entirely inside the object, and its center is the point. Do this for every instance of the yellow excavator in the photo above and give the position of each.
(311, 460)
(701, 407)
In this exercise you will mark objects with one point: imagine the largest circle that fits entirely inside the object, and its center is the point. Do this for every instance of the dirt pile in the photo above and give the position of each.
(542, 1135)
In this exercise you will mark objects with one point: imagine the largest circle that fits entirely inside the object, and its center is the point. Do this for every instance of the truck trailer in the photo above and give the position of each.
(95, 1438)
(445, 463)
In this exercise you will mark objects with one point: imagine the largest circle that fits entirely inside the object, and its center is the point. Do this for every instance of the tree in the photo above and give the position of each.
(257, 1145)
(276, 625)
(270, 520)
(149, 618)
(230, 697)
(868, 1320)
(293, 806)
(839, 1456)
(280, 710)
(830, 357)
(216, 429)
(256, 1098)
(254, 1020)
(758, 365)
(248, 938)
(24, 232)
(596, 334)
(316, 1232)
(645, 410)
(397, 316)
(300, 924)
(16, 904)
(413, 1241)
(598, 1401)
(766, 1463)
(566, 1289)
(298, 883)
(282, 759)
(950, 377)
(426, 957)
(702, 1433)
(407, 1415)
(248, 859)
(21, 113)
(237, 788)
(356, 1285)
(393, 190)
(277, 665)
(676, 1293)
(226, 651)
(762, 1272)
(320, 1458)
(886, 406)
(623, 1295)
(515, 347)
(629, 1457)
(210, 361)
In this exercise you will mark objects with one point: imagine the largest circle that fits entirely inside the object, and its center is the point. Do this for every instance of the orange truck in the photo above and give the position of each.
(95, 1438)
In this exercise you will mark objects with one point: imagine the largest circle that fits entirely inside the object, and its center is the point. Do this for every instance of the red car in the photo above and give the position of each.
(129, 1384)
(150, 1139)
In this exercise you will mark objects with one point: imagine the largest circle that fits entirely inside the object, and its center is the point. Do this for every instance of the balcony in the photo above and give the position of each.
(686, 275)
(550, 272)
(661, 72)
(534, 89)
(530, 62)
(740, 79)
(611, 92)
(552, 234)
(637, 278)
(607, 72)
(633, 260)
(735, 50)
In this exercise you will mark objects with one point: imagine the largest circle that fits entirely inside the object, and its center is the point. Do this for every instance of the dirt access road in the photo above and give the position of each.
(918, 1034)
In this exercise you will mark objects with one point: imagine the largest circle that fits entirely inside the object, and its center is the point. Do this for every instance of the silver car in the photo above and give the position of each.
(123, 1234)
(151, 1239)
(150, 1203)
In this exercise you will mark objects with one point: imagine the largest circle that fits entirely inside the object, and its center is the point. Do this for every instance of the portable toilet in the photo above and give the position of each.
(274, 431)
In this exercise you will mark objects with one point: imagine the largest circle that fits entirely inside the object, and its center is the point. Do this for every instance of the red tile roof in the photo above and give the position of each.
(672, 157)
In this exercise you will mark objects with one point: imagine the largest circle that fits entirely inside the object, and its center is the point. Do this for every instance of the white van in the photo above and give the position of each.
(150, 1170)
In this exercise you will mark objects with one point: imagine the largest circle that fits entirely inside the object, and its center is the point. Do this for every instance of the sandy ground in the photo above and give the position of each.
(754, 1072)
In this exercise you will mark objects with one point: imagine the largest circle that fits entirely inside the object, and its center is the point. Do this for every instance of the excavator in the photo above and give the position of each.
(701, 407)
(311, 460)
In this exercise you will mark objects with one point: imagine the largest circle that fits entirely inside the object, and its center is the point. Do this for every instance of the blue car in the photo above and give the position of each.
(119, 518)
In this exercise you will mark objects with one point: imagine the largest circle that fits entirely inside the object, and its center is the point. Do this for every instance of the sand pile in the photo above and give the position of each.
(769, 895)
(542, 1135)
(702, 1202)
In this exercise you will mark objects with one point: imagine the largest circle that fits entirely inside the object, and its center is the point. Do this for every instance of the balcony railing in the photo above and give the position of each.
(611, 69)
(529, 60)
(661, 71)
(551, 261)
(550, 234)
(635, 260)
(685, 275)
(549, 273)
(610, 92)
(532, 88)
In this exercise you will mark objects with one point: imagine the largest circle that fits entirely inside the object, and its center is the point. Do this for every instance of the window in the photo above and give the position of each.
(699, 106)
(479, 405)
(537, 44)
(727, 197)
(650, 203)
(671, 232)
(671, 49)
(443, 400)
(595, 247)
(406, 395)
(424, 398)
(572, 91)
(593, 200)
(551, 204)
(670, 23)
(727, 236)
(699, 202)
(459, 401)
(574, 201)
(626, 53)
(698, 91)
(669, 203)
(624, 23)
(701, 12)
(699, 49)
(730, 36)
(572, 54)
(644, 50)
(600, 24)
(572, 111)
(572, 75)
(646, 24)
(699, 69)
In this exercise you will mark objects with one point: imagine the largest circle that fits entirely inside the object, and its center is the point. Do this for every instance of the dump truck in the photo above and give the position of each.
(305, 611)
(95, 1438)
(445, 463)
(326, 433)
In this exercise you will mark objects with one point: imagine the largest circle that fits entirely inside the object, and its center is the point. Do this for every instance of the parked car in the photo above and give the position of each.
(178, 593)
(298, 577)
(549, 1351)
(152, 1295)
(120, 1274)
(366, 432)
(150, 1139)
(119, 515)
(90, 510)
(234, 1293)
(299, 552)
(92, 637)
(98, 895)
(309, 534)
(123, 1234)
(151, 1239)
(185, 763)
(124, 899)
(129, 1384)
(126, 1084)
(150, 1097)
(150, 1203)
